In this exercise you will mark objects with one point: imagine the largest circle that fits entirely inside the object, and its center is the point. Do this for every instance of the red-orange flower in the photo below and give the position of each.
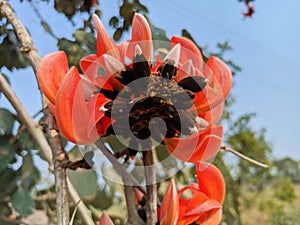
(121, 93)
(204, 206)
(105, 220)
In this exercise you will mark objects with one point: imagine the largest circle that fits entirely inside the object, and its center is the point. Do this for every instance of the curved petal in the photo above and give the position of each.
(51, 71)
(185, 71)
(188, 51)
(214, 115)
(87, 61)
(214, 219)
(202, 146)
(141, 35)
(123, 46)
(189, 208)
(196, 208)
(95, 114)
(222, 73)
(104, 42)
(105, 220)
(170, 207)
(211, 181)
(218, 86)
(71, 110)
(210, 144)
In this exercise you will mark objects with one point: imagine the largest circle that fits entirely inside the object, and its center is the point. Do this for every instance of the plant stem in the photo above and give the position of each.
(59, 156)
(118, 167)
(133, 216)
(151, 198)
(228, 149)
(30, 52)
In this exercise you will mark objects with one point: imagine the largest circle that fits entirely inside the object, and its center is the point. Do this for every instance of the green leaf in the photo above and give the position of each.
(73, 50)
(85, 181)
(8, 180)
(114, 143)
(6, 153)
(22, 201)
(167, 160)
(46, 27)
(114, 22)
(11, 56)
(118, 34)
(26, 142)
(7, 120)
(30, 174)
(103, 198)
(87, 39)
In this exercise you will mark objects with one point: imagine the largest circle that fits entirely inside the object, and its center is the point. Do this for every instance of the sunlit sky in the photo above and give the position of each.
(266, 47)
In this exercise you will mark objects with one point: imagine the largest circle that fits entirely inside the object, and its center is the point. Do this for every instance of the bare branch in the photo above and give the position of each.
(29, 50)
(119, 167)
(133, 216)
(33, 128)
(59, 155)
(228, 149)
(150, 176)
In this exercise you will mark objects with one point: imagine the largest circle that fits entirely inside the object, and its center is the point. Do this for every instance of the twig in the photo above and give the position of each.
(30, 51)
(74, 213)
(151, 198)
(228, 149)
(133, 216)
(119, 167)
(22, 114)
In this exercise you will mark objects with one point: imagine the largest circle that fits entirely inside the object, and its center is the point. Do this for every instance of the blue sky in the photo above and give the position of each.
(266, 47)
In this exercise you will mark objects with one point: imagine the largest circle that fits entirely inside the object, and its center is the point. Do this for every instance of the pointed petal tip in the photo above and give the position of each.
(170, 207)
(202, 123)
(138, 50)
(113, 65)
(174, 54)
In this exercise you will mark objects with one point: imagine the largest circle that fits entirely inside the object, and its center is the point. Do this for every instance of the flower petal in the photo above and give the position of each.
(170, 206)
(51, 71)
(185, 71)
(95, 114)
(188, 51)
(141, 35)
(222, 73)
(218, 86)
(214, 115)
(87, 61)
(105, 220)
(71, 111)
(104, 42)
(202, 146)
(214, 219)
(196, 208)
(187, 206)
(211, 181)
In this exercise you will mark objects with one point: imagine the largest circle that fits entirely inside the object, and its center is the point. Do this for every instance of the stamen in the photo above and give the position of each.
(174, 54)
(138, 50)
(194, 130)
(103, 109)
(202, 123)
(188, 68)
(113, 65)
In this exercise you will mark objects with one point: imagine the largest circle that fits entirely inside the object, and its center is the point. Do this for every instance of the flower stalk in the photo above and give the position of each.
(151, 198)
